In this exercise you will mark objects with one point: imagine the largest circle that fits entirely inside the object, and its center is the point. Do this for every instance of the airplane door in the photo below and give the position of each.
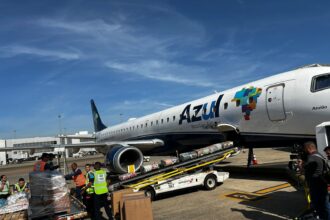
(275, 103)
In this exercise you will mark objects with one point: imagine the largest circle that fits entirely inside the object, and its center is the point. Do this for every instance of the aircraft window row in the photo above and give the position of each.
(321, 82)
(138, 126)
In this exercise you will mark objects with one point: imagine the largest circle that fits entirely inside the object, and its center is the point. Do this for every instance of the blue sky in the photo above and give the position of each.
(138, 57)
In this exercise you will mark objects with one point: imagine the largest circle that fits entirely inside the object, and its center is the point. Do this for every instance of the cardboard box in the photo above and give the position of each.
(115, 199)
(125, 197)
(138, 209)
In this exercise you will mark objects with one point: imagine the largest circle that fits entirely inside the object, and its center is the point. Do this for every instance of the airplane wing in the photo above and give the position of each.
(141, 144)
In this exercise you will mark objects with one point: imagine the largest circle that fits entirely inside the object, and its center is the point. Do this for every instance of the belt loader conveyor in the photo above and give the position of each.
(194, 172)
(189, 165)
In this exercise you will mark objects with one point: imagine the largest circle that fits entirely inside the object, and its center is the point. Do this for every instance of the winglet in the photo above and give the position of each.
(98, 124)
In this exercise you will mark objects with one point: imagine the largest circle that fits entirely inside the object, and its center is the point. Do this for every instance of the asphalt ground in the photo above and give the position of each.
(261, 192)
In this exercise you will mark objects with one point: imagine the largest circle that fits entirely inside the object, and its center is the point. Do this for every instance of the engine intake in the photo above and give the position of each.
(119, 157)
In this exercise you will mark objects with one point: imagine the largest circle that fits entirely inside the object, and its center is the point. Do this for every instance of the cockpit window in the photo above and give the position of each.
(321, 82)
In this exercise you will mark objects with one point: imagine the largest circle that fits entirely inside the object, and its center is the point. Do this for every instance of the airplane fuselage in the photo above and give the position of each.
(278, 110)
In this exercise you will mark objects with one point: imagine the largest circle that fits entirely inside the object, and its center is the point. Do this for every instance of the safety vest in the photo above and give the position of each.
(79, 180)
(100, 182)
(19, 189)
(5, 190)
(89, 190)
(39, 166)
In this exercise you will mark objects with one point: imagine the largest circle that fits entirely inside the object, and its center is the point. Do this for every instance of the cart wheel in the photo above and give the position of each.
(210, 182)
(150, 192)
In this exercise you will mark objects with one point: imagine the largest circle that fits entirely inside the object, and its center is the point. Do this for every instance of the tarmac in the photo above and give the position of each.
(264, 191)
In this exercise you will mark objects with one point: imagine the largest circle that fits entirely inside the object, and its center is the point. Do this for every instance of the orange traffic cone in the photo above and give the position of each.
(254, 160)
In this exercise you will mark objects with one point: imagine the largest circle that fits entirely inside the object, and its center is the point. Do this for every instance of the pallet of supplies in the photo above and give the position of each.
(49, 194)
(127, 176)
(188, 156)
(149, 167)
(15, 203)
(168, 162)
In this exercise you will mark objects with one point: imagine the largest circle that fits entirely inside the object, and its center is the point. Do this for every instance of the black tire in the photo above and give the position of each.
(150, 192)
(210, 182)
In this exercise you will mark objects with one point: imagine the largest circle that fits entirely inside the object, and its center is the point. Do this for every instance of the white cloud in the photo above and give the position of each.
(11, 51)
(117, 112)
(164, 71)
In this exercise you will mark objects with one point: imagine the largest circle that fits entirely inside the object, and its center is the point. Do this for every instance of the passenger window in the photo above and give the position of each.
(168, 119)
(156, 122)
(173, 118)
(238, 102)
(321, 82)
(225, 106)
(162, 121)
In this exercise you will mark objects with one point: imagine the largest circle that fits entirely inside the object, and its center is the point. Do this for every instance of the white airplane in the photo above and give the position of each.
(281, 110)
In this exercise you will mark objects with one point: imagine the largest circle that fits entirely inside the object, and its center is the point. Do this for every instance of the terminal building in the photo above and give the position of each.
(17, 155)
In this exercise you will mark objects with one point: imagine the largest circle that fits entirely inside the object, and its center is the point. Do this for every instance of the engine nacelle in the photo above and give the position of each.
(119, 157)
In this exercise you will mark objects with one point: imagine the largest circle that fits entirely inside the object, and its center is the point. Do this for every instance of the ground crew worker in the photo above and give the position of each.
(21, 186)
(4, 187)
(79, 179)
(327, 152)
(88, 195)
(314, 168)
(42, 165)
(51, 163)
(101, 192)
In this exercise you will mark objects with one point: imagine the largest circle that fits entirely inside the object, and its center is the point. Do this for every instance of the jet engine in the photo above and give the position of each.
(119, 157)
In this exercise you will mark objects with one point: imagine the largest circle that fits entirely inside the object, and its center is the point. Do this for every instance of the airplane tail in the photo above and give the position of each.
(98, 124)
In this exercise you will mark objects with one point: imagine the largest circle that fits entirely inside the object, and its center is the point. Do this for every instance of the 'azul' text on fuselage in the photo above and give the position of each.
(207, 112)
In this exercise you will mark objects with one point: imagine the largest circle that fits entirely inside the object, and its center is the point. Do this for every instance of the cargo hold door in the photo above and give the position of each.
(275, 103)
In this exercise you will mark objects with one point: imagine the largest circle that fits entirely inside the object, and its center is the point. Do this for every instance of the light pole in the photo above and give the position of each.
(59, 125)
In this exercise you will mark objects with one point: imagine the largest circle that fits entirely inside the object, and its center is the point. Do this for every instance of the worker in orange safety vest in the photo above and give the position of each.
(79, 179)
(42, 165)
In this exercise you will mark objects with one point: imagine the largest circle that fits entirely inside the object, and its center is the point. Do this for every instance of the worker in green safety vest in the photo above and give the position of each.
(100, 192)
(88, 191)
(4, 187)
(21, 186)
